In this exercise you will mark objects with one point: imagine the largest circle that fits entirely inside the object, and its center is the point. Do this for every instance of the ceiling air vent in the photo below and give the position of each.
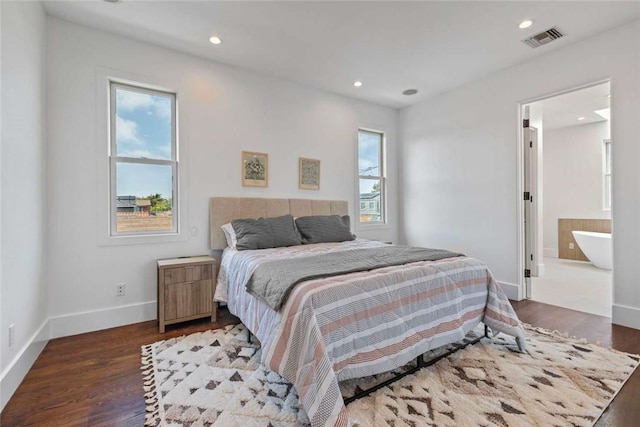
(543, 38)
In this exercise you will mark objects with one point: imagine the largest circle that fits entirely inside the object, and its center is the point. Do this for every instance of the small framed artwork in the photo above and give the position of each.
(309, 174)
(255, 169)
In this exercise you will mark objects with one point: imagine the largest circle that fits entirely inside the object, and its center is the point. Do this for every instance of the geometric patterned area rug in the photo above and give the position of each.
(215, 378)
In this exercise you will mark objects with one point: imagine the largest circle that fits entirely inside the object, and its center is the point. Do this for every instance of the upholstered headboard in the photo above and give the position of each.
(224, 209)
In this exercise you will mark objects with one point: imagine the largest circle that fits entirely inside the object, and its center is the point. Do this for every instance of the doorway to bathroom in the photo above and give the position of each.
(567, 151)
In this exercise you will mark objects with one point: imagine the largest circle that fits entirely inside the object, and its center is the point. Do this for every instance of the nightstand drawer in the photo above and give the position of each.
(186, 274)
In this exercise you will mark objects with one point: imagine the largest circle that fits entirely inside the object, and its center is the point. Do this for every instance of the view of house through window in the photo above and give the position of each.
(143, 161)
(371, 176)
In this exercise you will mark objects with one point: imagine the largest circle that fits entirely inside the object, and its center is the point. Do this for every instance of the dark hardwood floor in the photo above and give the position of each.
(624, 411)
(94, 379)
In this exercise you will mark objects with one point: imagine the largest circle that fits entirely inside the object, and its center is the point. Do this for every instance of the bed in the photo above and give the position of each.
(330, 329)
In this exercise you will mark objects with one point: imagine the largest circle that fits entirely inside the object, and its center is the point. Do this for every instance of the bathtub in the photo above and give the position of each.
(596, 246)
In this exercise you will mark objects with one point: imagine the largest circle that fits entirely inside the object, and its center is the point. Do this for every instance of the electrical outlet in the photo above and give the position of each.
(121, 289)
(12, 334)
(571, 245)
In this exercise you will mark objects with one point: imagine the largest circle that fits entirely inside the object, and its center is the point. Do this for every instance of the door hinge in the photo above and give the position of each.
(525, 123)
(527, 273)
(530, 144)
(531, 257)
(527, 195)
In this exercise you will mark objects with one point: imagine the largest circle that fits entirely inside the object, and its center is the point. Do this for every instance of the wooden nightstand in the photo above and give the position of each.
(185, 289)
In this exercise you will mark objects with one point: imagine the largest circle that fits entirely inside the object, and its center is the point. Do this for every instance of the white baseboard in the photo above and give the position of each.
(550, 252)
(96, 320)
(511, 290)
(17, 369)
(62, 326)
(626, 316)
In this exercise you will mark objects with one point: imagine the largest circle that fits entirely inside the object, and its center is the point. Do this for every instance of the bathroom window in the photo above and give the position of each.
(607, 173)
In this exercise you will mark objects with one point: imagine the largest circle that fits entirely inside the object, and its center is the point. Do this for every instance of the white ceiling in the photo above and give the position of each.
(389, 46)
(563, 110)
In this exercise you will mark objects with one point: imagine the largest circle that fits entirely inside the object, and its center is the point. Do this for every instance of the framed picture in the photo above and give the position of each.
(309, 174)
(255, 169)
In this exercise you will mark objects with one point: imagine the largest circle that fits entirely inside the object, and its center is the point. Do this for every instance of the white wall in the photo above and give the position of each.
(459, 173)
(24, 196)
(573, 177)
(223, 110)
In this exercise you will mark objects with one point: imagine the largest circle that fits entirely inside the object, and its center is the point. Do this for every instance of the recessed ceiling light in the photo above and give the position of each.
(410, 92)
(215, 39)
(112, 1)
(525, 24)
(357, 84)
(581, 118)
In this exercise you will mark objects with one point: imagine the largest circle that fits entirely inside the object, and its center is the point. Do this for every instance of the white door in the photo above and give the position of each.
(527, 137)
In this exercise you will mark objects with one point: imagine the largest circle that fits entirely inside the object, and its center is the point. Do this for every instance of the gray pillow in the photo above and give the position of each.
(347, 222)
(324, 228)
(264, 233)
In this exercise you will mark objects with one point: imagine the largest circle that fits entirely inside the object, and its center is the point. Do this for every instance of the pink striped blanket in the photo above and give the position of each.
(362, 323)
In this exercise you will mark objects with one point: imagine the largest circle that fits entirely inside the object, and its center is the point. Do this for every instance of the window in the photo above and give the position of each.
(143, 161)
(607, 173)
(371, 180)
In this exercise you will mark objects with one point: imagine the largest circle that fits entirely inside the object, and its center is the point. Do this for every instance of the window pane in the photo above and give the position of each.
(370, 200)
(143, 125)
(369, 154)
(608, 157)
(144, 197)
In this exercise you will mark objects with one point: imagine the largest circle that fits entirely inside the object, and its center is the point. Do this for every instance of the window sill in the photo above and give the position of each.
(146, 239)
(374, 226)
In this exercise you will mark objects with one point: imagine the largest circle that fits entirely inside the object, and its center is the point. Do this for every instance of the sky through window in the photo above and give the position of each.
(143, 130)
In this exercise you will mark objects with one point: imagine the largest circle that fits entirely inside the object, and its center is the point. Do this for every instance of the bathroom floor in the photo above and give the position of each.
(577, 285)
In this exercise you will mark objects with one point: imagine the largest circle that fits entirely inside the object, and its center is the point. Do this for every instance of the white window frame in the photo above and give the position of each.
(104, 77)
(606, 174)
(381, 177)
(114, 159)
